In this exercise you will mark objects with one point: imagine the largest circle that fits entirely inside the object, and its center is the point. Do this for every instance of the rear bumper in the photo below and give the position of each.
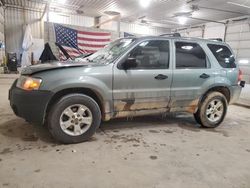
(30, 105)
(235, 93)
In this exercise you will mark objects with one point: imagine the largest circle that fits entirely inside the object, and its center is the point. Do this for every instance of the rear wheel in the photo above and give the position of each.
(74, 118)
(212, 110)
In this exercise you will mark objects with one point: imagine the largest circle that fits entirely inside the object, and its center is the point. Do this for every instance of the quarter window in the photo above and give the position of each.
(190, 55)
(153, 54)
(223, 55)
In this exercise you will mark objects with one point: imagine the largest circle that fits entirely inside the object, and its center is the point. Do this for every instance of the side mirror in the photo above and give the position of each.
(129, 63)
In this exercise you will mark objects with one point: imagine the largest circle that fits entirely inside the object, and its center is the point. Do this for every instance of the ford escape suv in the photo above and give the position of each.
(129, 77)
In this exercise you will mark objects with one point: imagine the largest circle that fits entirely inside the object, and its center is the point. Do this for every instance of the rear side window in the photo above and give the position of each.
(223, 55)
(190, 55)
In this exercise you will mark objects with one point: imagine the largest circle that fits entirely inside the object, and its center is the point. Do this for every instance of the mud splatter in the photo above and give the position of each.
(5, 151)
(168, 131)
(153, 131)
(136, 145)
(153, 157)
(31, 138)
(123, 138)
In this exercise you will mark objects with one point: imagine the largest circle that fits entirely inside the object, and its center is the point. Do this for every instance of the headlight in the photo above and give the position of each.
(28, 83)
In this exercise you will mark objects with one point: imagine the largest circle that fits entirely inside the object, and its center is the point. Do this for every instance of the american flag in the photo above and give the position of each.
(77, 42)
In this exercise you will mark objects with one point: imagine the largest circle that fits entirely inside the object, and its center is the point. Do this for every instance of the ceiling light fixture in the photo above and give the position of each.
(238, 4)
(182, 20)
(145, 3)
(61, 1)
(243, 61)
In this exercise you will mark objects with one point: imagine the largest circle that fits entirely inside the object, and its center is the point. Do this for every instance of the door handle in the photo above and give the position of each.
(161, 77)
(204, 76)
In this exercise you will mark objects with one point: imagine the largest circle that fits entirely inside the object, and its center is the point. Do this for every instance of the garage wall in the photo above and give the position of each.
(191, 32)
(15, 20)
(77, 20)
(237, 36)
(133, 28)
(1, 33)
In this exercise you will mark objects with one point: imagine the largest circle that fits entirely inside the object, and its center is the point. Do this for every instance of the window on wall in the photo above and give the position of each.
(153, 54)
(223, 55)
(190, 55)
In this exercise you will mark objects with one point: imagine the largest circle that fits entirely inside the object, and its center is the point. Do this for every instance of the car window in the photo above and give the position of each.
(109, 52)
(153, 54)
(190, 55)
(223, 55)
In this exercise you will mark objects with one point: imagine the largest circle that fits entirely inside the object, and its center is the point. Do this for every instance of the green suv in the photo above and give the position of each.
(130, 77)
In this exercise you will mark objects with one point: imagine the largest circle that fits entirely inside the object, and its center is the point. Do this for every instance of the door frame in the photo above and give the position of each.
(123, 58)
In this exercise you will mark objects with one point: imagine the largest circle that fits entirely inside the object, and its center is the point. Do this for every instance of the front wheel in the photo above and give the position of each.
(74, 118)
(212, 110)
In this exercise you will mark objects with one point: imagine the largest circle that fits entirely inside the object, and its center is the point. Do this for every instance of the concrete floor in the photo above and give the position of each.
(144, 152)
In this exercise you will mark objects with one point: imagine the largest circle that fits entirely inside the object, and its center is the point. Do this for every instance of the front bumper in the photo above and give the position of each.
(30, 105)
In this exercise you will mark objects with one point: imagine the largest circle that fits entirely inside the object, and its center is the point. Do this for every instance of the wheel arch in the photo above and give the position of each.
(223, 89)
(78, 90)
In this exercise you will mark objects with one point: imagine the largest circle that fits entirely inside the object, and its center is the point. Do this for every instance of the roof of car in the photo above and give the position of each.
(216, 41)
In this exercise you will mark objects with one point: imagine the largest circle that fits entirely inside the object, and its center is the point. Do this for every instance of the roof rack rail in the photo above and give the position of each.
(216, 39)
(171, 34)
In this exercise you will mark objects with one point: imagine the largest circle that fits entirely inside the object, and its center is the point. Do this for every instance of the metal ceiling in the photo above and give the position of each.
(159, 13)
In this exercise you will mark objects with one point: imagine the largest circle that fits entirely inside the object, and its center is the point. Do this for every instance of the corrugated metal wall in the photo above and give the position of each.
(192, 32)
(238, 37)
(1, 33)
(15, 20)
(133, 28)
(77, 20)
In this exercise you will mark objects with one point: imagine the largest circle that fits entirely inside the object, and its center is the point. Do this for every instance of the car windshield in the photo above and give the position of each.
(110, 52)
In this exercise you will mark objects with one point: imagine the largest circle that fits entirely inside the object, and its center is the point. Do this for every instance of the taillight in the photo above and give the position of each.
(240, 75)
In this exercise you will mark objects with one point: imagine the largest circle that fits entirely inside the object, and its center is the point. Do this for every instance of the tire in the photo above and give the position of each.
(212, 110)
(197, 118)
(74, 118)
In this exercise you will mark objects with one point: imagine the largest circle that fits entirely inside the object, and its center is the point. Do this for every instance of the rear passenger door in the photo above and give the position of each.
(192, 75)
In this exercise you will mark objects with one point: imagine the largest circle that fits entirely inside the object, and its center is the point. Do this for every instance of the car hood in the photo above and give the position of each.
(55, 65)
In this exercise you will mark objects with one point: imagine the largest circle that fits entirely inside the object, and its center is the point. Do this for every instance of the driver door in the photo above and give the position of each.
(146, 87)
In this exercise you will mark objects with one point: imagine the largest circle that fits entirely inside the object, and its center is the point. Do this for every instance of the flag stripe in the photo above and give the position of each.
(94, 40)
(88, 48)
(93, 36)
(93, 33)
(92, 45)
(73, 50)
(77, 42)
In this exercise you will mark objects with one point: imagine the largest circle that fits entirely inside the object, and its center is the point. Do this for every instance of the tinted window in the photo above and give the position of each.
(189, 55)
(223, 55)
(152, 54)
